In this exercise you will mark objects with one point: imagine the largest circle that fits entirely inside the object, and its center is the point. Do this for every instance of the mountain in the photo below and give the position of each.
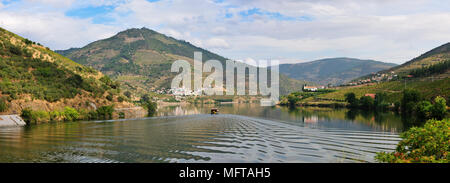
(333, 70)
(33, 76)
(430, 76)
(141, 59)
(437, 55)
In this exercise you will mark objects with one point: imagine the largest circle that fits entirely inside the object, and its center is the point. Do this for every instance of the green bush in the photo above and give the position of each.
(366, 102)
(292, 99)
(379, 102)
(30, 116)
(3, 105)
(28, 42)
(439, 109)
(397, 105)
(105, 112)
(429, 144)
(70, 114)
(120, 99)
(410, 99)
(145, 98)
(423, 109)
(121, 115)
(15, 50)
(151, 107)
(352, 100)
(55, 116)
(110, 97)
(127, 94)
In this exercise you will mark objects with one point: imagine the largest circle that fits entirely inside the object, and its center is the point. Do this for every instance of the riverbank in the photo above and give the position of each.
(318, 104)
(29, 116)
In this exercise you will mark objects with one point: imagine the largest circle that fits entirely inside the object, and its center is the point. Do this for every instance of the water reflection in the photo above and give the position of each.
(310, 116)
(240, 133)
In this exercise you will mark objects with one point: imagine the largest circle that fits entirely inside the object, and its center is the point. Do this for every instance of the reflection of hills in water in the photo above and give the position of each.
(310, 116)
(194, 138)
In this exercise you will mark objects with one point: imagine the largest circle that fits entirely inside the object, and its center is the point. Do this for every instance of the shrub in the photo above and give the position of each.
(120, 99)
(26, 115)
(429, 144)
(366, 102)
(127, 94)
(397, 105)
(439, 108)
(352, 100)
(292, 99)
(121, 115)
(15, 50)
(423, 109)
(105, 112)
(70, 114)
(110, 97)
(409, 100)
(55, 116)
(379, 102)
(30, 116)
(92, 115)
(28, 42)
(151, 107)
(3, 105)
(145, 98)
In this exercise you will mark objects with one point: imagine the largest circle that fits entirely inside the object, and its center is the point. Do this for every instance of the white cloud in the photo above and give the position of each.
(55, 30)
(387, 30)
(217, 43)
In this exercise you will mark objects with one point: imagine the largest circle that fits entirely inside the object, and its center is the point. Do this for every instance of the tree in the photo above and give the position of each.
(27, 115)
(439, 108)
(127, 94)
(410, 99)
(397, 105)
(366, 102)
(379, 101)
(109, 97)
(120, 99)
(104, 112)
(351, 99)
(145, 98)
(151, 107)
(15, 50)
(292, 99)
(423, 109)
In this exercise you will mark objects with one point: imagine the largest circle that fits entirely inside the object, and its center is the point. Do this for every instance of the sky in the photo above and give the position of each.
(287, 30)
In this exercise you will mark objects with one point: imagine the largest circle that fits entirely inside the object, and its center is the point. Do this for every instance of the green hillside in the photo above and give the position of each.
(422, 63)
(140, 59)
(429, 74)
(428, 88)
(29, 71)
(333, 70)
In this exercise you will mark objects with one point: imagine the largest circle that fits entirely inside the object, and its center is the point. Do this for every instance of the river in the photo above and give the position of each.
(239, 133)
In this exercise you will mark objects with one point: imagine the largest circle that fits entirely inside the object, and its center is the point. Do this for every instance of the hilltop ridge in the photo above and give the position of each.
(140, 59)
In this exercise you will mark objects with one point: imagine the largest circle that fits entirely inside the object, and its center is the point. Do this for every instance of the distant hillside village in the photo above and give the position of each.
(313, 88)
(376, 77)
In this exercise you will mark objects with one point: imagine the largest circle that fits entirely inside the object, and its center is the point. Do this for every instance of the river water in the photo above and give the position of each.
(239, 133)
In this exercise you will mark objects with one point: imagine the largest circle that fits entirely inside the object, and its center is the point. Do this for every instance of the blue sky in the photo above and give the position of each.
(288, 30)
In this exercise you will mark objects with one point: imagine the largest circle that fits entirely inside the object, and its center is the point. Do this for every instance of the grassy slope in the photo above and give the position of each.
(34, 76)
(394, 89)
(429, 87)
